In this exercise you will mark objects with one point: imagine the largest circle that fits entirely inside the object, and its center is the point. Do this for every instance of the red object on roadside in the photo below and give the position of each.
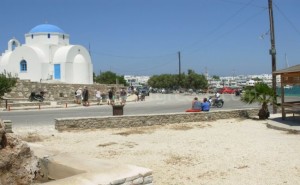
(192, 110)
(226, 90)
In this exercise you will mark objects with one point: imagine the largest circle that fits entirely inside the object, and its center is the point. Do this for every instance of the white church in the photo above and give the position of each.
(47, 56)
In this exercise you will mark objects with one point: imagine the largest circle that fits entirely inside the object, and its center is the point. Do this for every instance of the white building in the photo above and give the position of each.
(47, 56)
(136, 79)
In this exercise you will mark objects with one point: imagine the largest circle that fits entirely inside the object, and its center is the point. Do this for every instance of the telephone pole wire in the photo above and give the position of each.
(273, 52)
(179, 72)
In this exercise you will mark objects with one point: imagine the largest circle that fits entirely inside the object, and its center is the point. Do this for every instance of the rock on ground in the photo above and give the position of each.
(18, 165)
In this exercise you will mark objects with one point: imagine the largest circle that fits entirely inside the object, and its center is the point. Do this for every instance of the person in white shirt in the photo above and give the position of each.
(98, 96)
(78, 95)
(217, 96)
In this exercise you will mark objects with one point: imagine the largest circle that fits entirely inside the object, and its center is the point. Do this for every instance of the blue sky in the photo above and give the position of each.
(143, 37)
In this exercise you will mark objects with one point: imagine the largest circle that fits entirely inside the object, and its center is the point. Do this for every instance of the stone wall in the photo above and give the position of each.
(55, 91)
(18, 165)
(127, 121)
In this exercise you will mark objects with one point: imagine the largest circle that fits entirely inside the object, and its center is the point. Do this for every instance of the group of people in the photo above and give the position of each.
(111, 97)
(200, 106)
(82, 95)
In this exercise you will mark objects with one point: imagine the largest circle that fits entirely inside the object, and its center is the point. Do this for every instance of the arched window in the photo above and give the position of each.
(23, 66)
(13, 45)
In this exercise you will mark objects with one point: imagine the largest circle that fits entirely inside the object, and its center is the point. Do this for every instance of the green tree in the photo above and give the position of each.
(215, 77)
(94, 76)
(6, 83)
(109, 77)
(163, 81)
(194, 81)
(261, 93)
(257, 79)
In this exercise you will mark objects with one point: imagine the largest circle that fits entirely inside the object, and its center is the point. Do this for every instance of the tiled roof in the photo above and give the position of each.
(293, 69)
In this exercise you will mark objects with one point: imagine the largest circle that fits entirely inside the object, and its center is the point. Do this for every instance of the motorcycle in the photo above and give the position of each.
(36, 97)
(215, 102)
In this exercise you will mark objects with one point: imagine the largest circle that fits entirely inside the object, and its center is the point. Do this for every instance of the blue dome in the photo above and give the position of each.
(48, 28)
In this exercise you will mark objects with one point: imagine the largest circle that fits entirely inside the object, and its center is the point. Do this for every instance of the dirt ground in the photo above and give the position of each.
(223, 152)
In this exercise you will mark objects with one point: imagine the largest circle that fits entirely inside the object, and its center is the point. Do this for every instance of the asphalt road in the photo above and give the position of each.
(154, 104)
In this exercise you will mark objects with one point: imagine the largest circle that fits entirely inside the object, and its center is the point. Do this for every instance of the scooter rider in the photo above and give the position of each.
(217, 96)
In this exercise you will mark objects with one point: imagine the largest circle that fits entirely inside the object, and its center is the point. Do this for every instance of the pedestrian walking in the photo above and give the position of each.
(78, 95)
(98, 96)
(123, 95)
(110, 97)
(85, 96)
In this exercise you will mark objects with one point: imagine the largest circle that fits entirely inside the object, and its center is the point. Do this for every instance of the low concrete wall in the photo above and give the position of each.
(127, 121)
(91, 171)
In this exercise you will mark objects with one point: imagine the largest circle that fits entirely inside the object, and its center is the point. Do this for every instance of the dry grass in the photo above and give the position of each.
(130, 144)
(107, 144)
(242, 167)
(181, 127)
(295, 132)
(137, 130)
(130, 132)
(178, 160)
(153, 128)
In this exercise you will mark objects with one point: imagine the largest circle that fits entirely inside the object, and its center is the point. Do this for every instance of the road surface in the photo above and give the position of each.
(154, 104)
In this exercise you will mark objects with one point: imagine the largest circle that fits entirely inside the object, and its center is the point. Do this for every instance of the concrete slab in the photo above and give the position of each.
(65, 168)
(291, 124)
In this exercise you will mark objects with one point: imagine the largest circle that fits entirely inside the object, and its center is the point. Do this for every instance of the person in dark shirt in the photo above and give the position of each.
(85, 96)
(110, 97)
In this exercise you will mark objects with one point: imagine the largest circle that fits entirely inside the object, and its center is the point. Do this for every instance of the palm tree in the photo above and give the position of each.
(261, 93)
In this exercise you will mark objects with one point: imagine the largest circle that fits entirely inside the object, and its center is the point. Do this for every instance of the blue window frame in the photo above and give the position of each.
(23, 66)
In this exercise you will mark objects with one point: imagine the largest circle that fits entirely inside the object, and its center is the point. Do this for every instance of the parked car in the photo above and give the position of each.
(226, 90)
(145, 91)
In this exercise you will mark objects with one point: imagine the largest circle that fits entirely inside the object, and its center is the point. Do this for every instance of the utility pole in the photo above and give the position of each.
(273, 52)
(179, 72)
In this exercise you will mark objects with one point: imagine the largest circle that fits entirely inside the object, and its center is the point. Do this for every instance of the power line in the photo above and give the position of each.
(230, 31)
(287, 19)
(145, 69)
(133, 57)
(241, 3)
(224, 23)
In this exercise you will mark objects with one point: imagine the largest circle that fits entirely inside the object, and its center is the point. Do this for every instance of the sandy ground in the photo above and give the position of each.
(223, 152)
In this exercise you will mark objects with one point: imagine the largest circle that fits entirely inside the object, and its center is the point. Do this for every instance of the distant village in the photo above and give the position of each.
(239, 81)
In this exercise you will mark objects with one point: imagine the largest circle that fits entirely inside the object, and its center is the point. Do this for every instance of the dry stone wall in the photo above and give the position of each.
(55, 91)
(127, 121)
